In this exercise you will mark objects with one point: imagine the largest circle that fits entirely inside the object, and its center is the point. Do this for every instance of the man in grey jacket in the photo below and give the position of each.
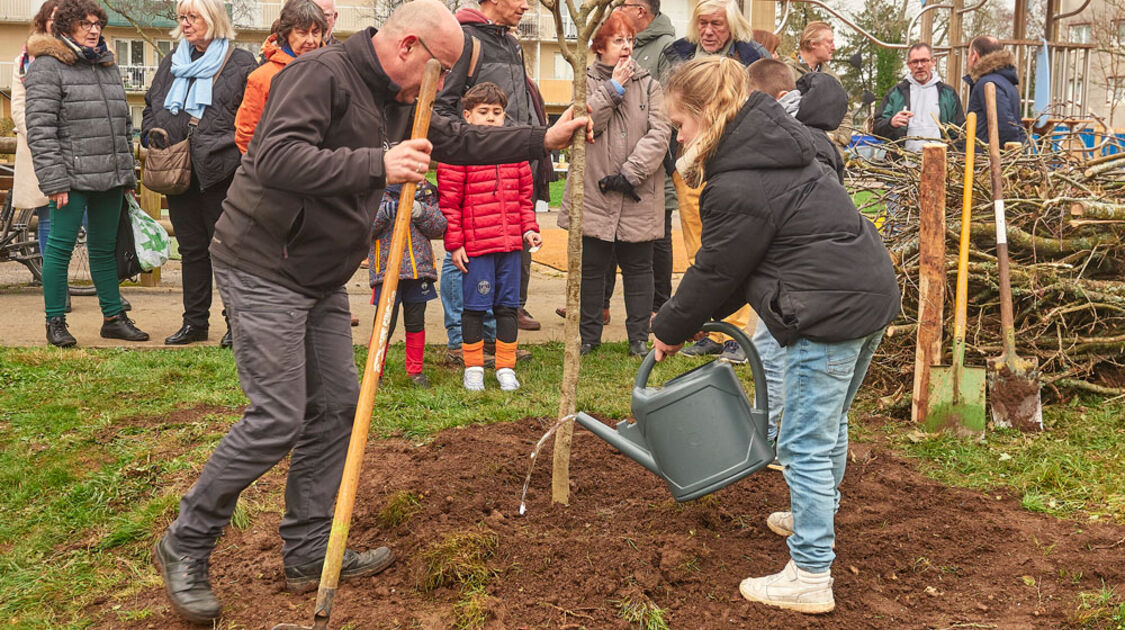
(295, 225)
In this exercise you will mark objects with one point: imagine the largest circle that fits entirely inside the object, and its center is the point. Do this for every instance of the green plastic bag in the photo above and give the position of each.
(151, 239)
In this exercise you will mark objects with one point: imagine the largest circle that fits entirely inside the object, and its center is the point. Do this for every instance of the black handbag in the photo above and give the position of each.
(128, 265)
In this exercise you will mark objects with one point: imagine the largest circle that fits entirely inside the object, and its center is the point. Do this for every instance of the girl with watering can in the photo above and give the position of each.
(781, 233)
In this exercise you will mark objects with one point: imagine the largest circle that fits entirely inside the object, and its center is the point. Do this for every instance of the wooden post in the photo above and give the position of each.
(927, 28)
(931, 274)
(956, 54)
(1019, 20)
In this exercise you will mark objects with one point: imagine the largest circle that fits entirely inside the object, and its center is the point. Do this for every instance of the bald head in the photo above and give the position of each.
(416, 32)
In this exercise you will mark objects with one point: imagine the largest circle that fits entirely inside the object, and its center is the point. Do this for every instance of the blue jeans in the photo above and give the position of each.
(821, 380)
(453, 302)
(773, 361)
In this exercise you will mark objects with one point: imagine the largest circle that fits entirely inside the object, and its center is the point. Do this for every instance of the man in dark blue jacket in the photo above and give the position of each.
(990, 63)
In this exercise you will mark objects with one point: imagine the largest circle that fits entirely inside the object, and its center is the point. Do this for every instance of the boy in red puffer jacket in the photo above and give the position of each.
(490, 211)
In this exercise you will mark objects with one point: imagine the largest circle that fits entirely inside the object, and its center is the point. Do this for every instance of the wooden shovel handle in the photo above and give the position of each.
(373, 369)
(1007, 320)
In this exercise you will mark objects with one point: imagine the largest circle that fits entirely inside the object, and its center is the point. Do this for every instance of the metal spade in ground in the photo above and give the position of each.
(1013, 381)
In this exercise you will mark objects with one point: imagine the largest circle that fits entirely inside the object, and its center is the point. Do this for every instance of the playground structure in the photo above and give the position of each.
(1063, 101)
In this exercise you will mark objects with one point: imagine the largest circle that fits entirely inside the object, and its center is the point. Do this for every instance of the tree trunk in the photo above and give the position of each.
(568, 400)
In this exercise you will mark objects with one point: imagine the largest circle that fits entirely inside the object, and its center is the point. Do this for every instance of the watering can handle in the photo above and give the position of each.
(761, 395)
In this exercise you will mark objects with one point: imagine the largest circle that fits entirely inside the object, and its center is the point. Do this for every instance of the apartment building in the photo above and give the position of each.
(138, 58)
(1100, 23)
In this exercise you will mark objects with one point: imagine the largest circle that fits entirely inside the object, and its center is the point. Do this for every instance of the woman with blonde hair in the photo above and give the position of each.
(196, 92)
(780, 233)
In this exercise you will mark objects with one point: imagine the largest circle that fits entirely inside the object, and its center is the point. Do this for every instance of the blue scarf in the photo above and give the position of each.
(193, 96)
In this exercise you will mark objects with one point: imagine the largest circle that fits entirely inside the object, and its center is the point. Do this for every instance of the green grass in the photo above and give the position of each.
(94, 458)
(557, 188)
(1074, 469)
(97, 446)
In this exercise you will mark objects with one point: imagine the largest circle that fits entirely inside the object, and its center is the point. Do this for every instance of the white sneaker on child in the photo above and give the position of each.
(793, 588)
(474, 379)
(507, 379)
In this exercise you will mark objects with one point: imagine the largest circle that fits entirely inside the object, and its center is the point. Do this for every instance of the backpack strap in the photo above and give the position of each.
(474, 59)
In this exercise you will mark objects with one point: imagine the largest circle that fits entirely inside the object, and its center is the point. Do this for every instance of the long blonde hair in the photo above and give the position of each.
(711, 89)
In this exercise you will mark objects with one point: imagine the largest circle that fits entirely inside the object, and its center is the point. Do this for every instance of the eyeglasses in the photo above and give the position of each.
(621, 41)
(89, 26)
(444, 68)
(190, 18)
(918, 62)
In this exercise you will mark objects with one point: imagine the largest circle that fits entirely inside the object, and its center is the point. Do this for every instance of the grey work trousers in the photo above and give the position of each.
(296, 364)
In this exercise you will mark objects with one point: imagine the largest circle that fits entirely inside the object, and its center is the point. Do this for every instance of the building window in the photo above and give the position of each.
(1119, 32)
(562, 68)
(131, 61)
(1074, 93)
(1080, 34)
(1115, 91)
(163, 49)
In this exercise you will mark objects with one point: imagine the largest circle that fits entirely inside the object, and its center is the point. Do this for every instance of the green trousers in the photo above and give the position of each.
(103, 211)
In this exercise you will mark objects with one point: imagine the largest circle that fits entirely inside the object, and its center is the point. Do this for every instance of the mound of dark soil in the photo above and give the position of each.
(911, 552)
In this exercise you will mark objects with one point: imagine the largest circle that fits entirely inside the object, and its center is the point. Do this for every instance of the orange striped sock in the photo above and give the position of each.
(506, 354)
(473, 354)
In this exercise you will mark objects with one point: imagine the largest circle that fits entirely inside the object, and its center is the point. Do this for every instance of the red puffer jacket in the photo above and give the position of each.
(488, 208)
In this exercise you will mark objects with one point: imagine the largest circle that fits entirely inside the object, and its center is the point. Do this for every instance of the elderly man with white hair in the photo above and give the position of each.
(295, 225)
(717, 27)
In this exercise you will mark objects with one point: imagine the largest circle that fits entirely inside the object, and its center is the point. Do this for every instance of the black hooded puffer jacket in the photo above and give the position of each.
(780, 233)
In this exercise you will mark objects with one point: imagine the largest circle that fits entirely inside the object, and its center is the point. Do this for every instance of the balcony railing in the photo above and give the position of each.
(137, 78)
(541, 25)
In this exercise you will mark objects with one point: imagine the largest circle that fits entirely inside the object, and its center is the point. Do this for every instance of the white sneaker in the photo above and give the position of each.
(780, 523)
(507, 379)
(793, 589)
(474, 379)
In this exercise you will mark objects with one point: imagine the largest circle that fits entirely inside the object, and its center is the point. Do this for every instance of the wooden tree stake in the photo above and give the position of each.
(931, 274)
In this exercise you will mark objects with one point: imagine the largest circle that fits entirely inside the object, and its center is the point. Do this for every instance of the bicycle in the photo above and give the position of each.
(19, 242)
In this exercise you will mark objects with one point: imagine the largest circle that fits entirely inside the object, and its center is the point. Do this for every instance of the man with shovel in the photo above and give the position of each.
(295, 226)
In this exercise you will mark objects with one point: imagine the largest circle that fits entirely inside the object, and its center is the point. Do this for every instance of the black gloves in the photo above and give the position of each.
(619, 184)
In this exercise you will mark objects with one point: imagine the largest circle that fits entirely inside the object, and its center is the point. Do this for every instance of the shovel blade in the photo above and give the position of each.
(1014, 391)
(960, 411)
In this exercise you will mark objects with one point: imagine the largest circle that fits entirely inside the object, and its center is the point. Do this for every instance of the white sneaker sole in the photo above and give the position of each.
(808, 608)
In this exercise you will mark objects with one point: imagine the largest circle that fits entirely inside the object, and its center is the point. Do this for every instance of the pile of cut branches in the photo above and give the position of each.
(1066, 238)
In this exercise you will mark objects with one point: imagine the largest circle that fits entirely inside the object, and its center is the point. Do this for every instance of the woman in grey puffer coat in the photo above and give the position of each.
(79, 134)
(623, 207)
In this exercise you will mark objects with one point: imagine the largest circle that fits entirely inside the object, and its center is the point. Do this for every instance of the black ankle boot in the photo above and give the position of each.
(227, 341)
(57, 334)
(121, 327)
(186, 334)
(188, 584)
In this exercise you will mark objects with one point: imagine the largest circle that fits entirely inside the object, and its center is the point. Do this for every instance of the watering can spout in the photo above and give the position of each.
(619, 440)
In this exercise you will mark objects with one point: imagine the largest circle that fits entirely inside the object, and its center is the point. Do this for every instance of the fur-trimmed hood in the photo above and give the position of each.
(992, 62)
(44, 45)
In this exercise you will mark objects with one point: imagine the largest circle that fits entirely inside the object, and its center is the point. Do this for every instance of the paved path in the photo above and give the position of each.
(158, 310)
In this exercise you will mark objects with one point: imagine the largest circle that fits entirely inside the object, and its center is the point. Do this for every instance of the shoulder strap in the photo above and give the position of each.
(215, 79)
(474, 59)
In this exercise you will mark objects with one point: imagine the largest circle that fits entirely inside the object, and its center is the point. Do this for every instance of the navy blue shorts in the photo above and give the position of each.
(409, 291)
(493, 280)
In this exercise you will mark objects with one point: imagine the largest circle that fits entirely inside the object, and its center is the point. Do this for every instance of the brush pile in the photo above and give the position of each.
(1066, 238)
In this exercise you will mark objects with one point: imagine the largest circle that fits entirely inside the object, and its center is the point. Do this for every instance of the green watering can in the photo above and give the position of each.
(699, 431)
